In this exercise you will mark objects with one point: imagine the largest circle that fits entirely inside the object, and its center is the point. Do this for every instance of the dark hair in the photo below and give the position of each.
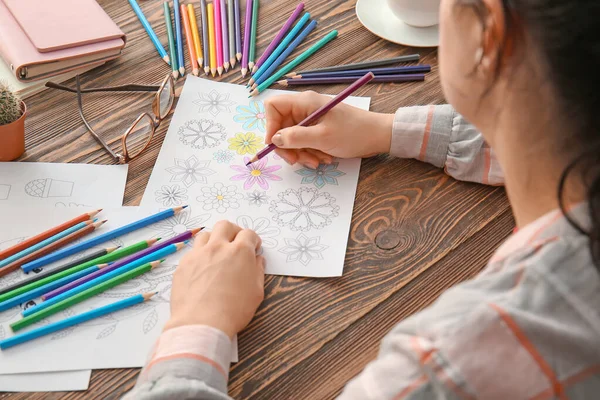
(568, 36)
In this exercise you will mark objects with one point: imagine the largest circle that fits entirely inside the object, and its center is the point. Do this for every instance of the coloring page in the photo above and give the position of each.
(302, 214)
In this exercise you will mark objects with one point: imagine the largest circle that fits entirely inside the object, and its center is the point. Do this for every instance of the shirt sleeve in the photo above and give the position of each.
(442, 137)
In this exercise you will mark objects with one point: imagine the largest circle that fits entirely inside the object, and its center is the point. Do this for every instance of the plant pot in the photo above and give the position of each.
(12, 137)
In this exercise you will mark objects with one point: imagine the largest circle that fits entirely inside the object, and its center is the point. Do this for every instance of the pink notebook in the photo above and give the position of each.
(41, 38)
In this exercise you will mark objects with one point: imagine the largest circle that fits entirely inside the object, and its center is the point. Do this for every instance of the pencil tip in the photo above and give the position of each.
(182, 71)
(183, 207)
(167, 60)
(195, 72)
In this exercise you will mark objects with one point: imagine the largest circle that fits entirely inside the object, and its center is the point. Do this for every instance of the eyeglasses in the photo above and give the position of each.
(139, 135)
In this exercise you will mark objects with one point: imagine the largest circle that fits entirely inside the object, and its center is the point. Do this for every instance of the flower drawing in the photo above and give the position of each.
(257, 198)
(202, 133)
(213, 102)
(304, 209)
(252, 117)
(179, 223)
(256, 173)
(303, 249)
(260, 225)
(245, 143)
(190, 171)
(170, 196)
(223, 156)
(220, 197)
(324, 175)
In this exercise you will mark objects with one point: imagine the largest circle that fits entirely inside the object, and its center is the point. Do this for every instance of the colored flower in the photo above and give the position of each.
(303, 249)
(257, 172)
(190, 171)
(245, 143)
(220, 197)
(252, 117)
(213, 102)
(223, 156)
(257, 198)
(171, 195)
(325, 174)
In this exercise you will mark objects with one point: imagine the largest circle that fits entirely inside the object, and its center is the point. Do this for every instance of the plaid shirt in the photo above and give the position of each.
(528, 327)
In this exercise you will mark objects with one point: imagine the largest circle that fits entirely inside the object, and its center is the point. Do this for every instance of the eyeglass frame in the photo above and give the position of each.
(155, 122)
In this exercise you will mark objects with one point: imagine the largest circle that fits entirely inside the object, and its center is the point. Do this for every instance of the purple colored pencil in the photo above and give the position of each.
(419, 69)
(348, 79)
(224, 35)
(238, 30)
(118, 264)
(247, 27)
(282, 32)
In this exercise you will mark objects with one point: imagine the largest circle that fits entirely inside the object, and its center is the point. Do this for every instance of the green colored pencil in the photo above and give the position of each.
(294, 63)
(172, 48)
(86, 294)
(126, 251)
(252, 50)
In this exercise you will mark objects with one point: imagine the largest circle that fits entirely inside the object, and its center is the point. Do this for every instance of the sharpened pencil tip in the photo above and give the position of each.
(183, 207)
(167, 60)
(182, 71)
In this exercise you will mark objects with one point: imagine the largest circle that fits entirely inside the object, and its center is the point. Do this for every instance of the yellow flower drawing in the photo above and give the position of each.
(246, 143)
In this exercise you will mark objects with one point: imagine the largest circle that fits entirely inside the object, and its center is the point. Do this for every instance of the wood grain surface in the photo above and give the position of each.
(415, 231)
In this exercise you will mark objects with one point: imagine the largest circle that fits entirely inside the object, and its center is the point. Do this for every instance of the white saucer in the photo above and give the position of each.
(377, 17)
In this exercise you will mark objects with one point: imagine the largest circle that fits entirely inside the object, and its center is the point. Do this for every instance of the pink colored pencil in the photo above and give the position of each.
(247, 27)
(218, 37)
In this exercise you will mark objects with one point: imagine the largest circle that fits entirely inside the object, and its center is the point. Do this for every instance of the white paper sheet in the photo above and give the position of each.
(63, 381)
(61, 185)
(119, 340)
(303, 215)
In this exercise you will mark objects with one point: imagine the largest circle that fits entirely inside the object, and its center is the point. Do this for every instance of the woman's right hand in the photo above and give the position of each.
(343, 132)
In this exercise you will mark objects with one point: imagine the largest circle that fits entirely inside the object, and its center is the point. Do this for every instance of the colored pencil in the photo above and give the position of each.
(252, 50)
(179, 37)
(32, 294)
(238, 30)
(195, 34)
(279, 37)
(52, 276)
(247, 27)
(78, 298)
(41, 253)
(285, 44)
(59, 255)
(172, 48)
(349, 79)
(145, 266)
(159, 47)
(189, 39)
(270, 76)
(231, 26)
(45, 274)
(205, 45)
(218, 36)
(44, 243)
(225, 35)
(153, 253)
(315, 116)
(360, 65)
(360, 72)
(74, 320)
(210, 12)
(46, 234)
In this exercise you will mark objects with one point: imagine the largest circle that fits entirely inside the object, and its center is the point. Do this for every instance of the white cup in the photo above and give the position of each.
(419, 13)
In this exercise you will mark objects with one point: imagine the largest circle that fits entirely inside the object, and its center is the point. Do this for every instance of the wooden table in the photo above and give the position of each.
(415, 231)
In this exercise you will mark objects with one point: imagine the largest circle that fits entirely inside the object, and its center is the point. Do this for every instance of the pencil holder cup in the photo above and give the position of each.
(12, 137)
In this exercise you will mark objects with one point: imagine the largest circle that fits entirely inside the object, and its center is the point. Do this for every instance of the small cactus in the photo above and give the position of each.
(10, 105)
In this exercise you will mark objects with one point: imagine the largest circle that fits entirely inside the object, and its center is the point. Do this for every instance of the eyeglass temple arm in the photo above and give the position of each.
(123, 88)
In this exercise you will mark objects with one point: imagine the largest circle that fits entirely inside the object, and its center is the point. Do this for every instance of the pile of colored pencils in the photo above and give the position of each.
(77, 281)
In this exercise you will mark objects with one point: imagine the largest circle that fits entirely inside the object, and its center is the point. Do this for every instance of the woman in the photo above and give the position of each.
(524, 73)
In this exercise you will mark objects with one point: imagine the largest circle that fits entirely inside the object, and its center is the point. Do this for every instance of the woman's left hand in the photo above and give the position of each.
(220, 283)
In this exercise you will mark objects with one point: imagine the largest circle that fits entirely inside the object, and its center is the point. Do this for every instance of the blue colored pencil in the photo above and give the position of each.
(42, 244)
(60, 254)
(74, 320)
(280, 48)
(179, 37)
(159, 47)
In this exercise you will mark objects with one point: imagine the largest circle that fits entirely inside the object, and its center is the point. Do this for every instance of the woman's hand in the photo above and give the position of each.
(344, 132)
(220, 283)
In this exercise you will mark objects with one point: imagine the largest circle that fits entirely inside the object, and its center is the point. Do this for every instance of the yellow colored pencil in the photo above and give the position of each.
(195, 33)
(212, 38)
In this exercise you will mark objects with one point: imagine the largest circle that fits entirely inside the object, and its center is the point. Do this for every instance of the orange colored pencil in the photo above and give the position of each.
(91, 226)
(195, 34)
(212, 38)
(189, 39)
(46, 234)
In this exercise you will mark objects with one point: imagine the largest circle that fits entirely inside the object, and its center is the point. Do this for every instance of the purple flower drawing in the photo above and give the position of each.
(256, 173)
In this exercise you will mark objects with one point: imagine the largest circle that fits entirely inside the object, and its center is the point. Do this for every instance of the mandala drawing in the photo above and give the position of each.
(303, 249)
(252, 117)
(260, 225)
(220, 197)
(256, 173)
(179, 223)
(325, 174)
(170, 196)
(246, 143)
(213, 102)
(201, 134)
(304, 209)
(223, 156)
(257, 198)
(190, 171)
